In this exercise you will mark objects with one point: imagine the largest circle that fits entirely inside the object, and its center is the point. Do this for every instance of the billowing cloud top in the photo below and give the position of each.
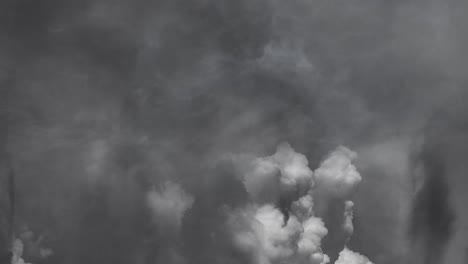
(337, 174)
(285, 172)
(348, 256)
(292, 234)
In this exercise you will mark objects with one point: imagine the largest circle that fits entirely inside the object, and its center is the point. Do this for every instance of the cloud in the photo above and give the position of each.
(309, 250)
(293, 233)
(82, 83)
(269, 239)
(285, 173)
(337, 176)
(348, 256)
(168, 205)
(17, 250)
(348, 218)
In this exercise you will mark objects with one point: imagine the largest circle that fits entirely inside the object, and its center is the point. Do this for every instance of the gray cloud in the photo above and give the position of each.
(100, 100)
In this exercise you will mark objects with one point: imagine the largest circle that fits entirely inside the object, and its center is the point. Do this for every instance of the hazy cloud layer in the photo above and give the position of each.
(120, 117)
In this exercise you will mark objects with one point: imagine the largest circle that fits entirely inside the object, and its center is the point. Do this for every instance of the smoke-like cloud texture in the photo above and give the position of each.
(294, 234)
(151, 131)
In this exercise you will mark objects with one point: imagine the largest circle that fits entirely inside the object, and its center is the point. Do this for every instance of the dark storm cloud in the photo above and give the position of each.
(104, 100)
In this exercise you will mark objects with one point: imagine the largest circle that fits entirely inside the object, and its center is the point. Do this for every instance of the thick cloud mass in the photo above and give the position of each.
(284, 173)
(271, 239)
(337, 174)
(150, 131)
(293, 234)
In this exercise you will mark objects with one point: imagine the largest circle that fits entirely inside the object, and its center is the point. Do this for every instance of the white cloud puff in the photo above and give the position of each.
(263, 233)
(284, 172)
(337, 175)
(348, 256)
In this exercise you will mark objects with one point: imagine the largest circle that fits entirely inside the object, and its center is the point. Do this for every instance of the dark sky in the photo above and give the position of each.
(101, 101)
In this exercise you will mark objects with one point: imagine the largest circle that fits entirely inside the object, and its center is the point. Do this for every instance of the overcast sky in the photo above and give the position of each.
(131, 125)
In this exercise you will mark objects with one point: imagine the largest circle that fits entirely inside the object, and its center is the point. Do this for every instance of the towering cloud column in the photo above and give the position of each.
(337, 178)
(279, 225)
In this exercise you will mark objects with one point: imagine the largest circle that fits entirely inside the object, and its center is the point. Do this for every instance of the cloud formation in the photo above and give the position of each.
(337, 175)
(294, 234)
(285, 173)
(350, 257)
(168, 205)
(101, 100)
